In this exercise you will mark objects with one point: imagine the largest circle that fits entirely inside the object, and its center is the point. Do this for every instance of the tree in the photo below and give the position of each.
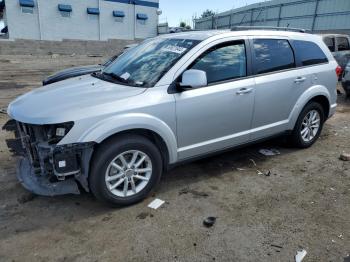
(182, 24)
(207, 13)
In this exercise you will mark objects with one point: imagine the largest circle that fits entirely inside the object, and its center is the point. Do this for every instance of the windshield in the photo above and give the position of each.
(145, 64)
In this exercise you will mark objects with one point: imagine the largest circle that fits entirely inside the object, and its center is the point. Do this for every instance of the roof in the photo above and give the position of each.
(203, 35)
(195, 35)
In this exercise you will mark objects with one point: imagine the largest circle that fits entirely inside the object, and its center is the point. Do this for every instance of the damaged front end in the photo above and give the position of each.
(47, 168)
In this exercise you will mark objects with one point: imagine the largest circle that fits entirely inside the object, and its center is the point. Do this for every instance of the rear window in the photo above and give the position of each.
(272, 55)
(329, 41)
(309, 53)
(343, 44)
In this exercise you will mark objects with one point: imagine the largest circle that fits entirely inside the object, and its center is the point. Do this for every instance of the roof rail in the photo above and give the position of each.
(240, 28)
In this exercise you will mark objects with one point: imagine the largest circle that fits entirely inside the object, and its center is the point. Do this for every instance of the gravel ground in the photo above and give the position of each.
(303, 204)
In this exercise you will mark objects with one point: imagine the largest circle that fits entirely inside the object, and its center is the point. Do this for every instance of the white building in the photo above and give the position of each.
(81, 19)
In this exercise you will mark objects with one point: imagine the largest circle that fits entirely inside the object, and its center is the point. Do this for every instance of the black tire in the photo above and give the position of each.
(296, 137)
(347, 93)
(111, 148)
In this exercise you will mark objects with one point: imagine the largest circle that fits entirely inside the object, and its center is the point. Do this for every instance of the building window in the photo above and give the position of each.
(93, 13)
(27, 10)
(27, 6)
(65, 10)
(142, 18)
(118, 16)
(65, 14)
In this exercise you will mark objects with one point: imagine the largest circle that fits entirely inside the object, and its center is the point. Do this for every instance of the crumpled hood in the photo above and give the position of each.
(69, 100)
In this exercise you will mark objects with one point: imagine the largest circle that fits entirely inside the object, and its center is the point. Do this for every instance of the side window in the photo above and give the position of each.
(223, 62)
(343, 44)
(309, 53)
(329, 41)
(272, 55)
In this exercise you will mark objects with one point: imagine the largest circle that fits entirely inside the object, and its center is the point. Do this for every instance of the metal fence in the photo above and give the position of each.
(314, 15)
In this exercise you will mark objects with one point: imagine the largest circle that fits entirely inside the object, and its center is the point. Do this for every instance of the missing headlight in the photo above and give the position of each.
(55, 133)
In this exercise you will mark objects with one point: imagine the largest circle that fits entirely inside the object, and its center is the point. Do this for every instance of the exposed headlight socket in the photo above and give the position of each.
(60, 131)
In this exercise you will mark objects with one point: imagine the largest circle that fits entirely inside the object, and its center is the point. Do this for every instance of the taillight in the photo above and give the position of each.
(338, 71)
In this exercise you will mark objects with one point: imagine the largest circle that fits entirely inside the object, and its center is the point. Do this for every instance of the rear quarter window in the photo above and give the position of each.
(272, 55)
(309, 53)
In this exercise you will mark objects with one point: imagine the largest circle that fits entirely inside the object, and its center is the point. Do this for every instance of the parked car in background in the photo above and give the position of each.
(174, 30)
(81, 70)
(173, 98)
(346, 80)
(339, 45)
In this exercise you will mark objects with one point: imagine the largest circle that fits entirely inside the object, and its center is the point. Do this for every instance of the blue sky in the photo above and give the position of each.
(175, 11)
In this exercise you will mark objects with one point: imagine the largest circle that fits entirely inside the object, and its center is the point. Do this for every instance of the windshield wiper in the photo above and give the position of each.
(116, 77)
(103, 75)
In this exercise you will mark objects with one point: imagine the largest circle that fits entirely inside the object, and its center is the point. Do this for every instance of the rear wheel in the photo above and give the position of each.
(125, 169)
(309, 125)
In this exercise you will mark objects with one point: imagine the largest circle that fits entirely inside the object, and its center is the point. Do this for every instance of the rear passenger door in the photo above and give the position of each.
(278, 85)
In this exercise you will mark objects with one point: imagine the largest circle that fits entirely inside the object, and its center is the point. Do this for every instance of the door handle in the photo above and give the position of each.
(300, 80)
(244, 91)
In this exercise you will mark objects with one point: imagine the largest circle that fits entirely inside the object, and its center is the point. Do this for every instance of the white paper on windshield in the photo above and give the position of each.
(174, 49)
(125, 76)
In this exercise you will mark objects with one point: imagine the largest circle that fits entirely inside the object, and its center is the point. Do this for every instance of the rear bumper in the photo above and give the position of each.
(40, 184)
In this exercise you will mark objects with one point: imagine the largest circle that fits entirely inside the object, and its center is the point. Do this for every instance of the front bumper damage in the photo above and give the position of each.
(49, 169)
(41, 185)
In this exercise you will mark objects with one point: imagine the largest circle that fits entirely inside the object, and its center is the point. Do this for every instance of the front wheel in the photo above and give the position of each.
(125, 169)
(309, 125)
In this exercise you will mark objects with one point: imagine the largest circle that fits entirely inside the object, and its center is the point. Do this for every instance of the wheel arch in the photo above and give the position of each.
(154, 137)
(145, 125)
(319, 94)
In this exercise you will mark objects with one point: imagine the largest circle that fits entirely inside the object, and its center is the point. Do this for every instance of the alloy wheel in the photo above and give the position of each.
(310, 126)
(128, 173)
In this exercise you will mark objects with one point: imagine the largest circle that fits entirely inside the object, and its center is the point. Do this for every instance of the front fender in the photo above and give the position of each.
(308, 95)
(115, 124)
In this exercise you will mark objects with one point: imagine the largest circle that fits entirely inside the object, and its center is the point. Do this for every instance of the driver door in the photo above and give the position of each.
(219, 115)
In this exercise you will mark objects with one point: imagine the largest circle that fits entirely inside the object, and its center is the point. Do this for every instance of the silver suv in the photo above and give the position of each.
(173, 98)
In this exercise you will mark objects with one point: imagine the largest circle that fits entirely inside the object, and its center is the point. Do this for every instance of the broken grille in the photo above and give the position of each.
(28, 138)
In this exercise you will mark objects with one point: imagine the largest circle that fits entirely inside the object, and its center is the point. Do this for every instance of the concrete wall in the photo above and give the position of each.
(65, 47)
(78, 26)
(112, 27)
(24, 25)
(148, 27)
(47, 23)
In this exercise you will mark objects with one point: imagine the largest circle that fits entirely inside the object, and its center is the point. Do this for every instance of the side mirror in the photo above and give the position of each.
(193, 79)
